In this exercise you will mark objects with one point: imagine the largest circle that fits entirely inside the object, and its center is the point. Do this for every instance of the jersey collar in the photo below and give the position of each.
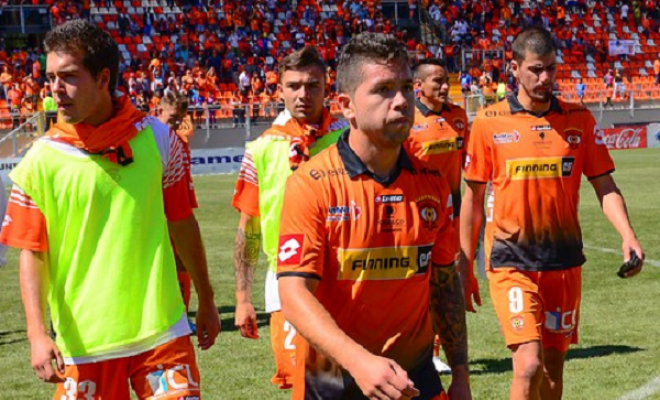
(516, 107)
(426, 111)
(354, 166)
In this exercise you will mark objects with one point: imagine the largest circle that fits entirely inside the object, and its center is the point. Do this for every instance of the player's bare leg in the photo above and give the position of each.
(553, 374)
(527, 371)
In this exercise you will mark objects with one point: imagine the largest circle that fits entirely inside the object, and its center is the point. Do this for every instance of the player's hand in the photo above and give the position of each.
(246, 320)
(628, 246)
(470, 285)
(381, 378)
(208, 324)
(460, 385)
(44, 351)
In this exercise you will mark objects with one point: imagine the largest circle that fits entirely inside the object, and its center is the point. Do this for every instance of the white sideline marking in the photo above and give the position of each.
(644, 392)
(648, 261)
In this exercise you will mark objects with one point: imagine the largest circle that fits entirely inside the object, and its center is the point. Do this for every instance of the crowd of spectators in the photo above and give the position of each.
(218, 52)
(484, 26)
(225, 53)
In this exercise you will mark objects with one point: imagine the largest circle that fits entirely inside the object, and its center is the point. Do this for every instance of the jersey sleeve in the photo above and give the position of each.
(301, 244)
(478, 160)
(178, 193)
(24, 225)
(444, 248)
(246, 191)
(597, 160)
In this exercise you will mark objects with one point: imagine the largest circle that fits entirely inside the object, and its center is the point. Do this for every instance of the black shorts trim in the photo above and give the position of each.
(307, 275)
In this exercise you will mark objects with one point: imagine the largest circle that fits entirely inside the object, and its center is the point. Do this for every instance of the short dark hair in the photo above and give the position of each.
(96, 46)
(177, 100)
(306, 57)
(419, 70)
(367, 47)
(536, 40)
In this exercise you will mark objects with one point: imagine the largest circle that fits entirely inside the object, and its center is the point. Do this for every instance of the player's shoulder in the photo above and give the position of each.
(499, 109)
(320, 168)
(573, 110)
(425, 170)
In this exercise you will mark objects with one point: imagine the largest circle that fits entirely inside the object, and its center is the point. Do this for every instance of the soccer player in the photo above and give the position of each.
(303, 129)
(174, 113)
(366, 241)
(535, 149)
(439, 136)
(90, 209)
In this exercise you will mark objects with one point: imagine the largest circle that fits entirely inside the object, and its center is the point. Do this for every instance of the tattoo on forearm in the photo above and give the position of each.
(246, 255)
(448, 313)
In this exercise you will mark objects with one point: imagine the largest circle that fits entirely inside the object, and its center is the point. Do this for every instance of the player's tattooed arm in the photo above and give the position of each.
(448, 314)
(246, 252)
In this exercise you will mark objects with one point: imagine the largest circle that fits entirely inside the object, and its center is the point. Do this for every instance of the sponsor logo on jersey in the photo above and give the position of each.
(518, 323)
(506, 137)
(344, 213)
(389, 198)
(390, 219)
(560, 322)
(442, 146)
(539, 168)
(317, 174)
(420, 127)
(540, 128)
(491, 114)
(383, 263)
(290, 249)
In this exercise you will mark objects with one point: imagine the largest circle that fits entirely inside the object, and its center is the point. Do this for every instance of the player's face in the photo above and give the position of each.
(435, 86)
(77, 93)
(536, 75)
(382, 106)
(172, 116)
(303, 92)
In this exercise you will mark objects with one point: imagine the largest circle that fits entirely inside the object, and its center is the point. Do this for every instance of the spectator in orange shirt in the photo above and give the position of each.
(6, 79)
(656, 70)
(271, 81)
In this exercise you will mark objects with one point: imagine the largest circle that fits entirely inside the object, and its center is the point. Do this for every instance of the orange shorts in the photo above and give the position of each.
(537, 306)
(167, 372)
(282, 338)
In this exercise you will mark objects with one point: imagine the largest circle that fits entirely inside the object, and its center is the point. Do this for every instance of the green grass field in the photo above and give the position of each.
(620, 320)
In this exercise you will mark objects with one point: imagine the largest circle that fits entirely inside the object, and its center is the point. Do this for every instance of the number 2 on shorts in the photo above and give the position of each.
(515, 300)
(291, 333)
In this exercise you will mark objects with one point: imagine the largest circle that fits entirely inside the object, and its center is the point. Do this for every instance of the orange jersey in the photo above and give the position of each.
(536, 163)
(440, 139)
(371, 243)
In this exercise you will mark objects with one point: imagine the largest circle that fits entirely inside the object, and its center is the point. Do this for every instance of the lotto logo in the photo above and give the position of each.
(290, 252)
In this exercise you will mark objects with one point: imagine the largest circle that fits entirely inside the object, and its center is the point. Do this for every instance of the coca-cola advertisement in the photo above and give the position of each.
(624, 137)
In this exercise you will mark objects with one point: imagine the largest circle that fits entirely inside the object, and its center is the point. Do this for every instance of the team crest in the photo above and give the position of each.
(573, 137)
(459, 124)
(428, 211)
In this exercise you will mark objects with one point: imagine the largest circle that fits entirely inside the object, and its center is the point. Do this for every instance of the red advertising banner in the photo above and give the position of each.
(625, 137)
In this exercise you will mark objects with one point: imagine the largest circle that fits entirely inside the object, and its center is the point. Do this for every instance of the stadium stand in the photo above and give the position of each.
(213, 49)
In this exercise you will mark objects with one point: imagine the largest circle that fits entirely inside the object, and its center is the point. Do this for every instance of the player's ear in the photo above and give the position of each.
(346, 105)
(514, 68)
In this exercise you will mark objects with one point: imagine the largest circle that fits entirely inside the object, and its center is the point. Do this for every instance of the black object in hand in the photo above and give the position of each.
(629, 265)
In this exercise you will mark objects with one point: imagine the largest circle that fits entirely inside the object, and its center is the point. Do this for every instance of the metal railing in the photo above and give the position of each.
(19, 140)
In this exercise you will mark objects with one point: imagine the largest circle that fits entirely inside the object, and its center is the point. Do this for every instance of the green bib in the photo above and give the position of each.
(271, 159)
(112, 273)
